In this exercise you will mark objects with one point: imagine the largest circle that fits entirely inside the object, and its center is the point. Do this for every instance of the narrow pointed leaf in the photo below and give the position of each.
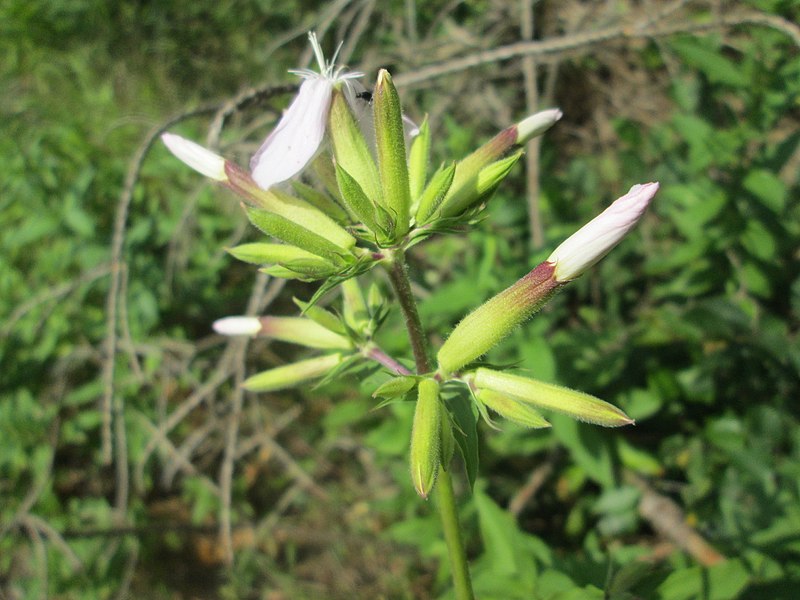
(448, 442)
(357, 202)
(312, 219)
(356, 314)
(301, 270)
(418, 159)
(289, 207)
(436, 191)
(395, 387)
(318, 314)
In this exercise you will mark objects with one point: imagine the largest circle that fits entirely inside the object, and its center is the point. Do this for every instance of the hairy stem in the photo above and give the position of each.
(445, 498)
(398, 274)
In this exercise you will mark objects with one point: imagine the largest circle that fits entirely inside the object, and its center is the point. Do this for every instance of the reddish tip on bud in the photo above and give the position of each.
(483, 328)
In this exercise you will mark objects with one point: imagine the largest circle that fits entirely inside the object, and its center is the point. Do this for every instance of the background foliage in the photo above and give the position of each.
(691, 325)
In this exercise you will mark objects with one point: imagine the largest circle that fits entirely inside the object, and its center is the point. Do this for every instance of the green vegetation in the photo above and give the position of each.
(132, 460)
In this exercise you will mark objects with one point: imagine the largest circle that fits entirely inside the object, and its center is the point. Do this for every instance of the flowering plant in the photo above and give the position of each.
(376, 199)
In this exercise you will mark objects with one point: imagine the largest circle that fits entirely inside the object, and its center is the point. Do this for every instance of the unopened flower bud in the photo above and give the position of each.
(594, 240)
(463, 191)
(512, 409)
(295, 330)
(426, 437)
(292, 375)
(237, 326)
(302, 331)
(350, 149)
(418, 158)
(483, 328)
(537, 124)
(391, 150)
(573, 403)
(201, 159)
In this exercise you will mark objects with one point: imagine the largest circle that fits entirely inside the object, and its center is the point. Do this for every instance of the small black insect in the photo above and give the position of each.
(365, 96)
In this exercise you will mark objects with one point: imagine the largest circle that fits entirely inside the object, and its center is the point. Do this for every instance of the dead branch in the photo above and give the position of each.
(668, 519)
(584, 41)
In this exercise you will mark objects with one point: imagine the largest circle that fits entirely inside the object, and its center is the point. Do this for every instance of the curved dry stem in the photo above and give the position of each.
(585, 41)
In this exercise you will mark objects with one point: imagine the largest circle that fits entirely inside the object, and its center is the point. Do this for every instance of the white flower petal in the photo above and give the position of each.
(202, 160)
(296, 139)
(594, 240)
(237, 325)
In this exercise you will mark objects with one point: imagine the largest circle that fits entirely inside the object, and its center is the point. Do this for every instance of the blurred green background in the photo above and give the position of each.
(132, 466)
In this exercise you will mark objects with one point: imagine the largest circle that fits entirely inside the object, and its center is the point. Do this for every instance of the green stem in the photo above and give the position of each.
(398, 274)
(445, 498)
(448, 512)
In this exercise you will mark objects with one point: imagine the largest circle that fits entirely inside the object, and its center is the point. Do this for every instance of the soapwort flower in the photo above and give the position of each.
(296, 139)
(299, 133)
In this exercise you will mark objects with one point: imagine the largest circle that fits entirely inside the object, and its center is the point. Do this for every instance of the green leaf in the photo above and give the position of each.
(320, 315)
(465, 432)
(499, 535)
(721, 582)
(358, 203)
(759, 242)
(479, 188)
(310, 269)
(397, 386)
(299, 211)
(434, 193)
(767, 187)
(710, 61)
(589, 449)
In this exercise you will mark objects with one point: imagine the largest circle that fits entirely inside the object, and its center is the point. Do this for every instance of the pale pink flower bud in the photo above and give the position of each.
(536, 124)
(202, 160)
(596, 239)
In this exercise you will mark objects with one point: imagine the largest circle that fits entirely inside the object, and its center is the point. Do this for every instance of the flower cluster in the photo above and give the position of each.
(377, 198)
